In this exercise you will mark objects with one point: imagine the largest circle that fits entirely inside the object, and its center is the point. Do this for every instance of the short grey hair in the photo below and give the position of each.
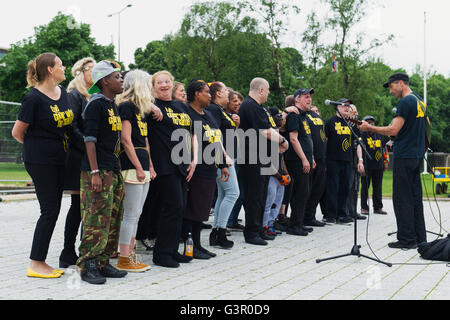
(258, 83)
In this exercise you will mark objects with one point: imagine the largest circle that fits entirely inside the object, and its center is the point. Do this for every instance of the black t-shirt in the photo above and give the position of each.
(77, 103)
(139, 131)
(410, 140)
(298, 122)
(375, 144)
(103, 126)
(339, 145)
(317, 134)
(45, 139)
(253, 116)
(227, 126)
(175, 117)
(209, 147)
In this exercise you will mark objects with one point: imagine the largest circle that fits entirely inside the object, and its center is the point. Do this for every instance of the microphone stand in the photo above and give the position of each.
(355, 251)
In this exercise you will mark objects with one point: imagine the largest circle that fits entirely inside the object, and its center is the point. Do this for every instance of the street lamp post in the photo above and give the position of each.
(118, 15)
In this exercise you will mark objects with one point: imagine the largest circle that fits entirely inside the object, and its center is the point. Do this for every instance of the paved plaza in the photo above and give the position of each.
(286, 269)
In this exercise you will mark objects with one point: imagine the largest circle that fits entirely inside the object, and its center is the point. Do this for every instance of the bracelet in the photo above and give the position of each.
(361, 159)
(95, 171)
(283, 141)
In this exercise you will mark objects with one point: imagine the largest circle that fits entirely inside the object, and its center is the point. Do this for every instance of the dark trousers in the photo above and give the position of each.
(234, 215)
(172, 203)
(48, 181)
(338, 188)
(318, 183)
(376, 176)
(148, 221)
(352, 202)
(73, 221)
(407, 199)
(301, 184)
(255, 190)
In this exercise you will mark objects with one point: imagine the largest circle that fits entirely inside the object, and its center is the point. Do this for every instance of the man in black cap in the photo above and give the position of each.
(299, 161)
(408, 127)
(375, 145)
(339, 164)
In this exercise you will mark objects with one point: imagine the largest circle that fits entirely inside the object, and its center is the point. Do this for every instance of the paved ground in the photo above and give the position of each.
(286, 269)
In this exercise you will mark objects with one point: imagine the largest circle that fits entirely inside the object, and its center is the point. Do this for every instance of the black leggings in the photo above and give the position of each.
(48, 181)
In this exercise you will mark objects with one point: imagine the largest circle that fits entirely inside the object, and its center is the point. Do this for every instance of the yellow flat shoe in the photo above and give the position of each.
(33, 274)
(59, 271)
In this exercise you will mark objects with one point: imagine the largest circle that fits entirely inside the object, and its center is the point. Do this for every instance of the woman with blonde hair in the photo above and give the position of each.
(42, 126)
(178, 92)
(135, 104)
(78, 97)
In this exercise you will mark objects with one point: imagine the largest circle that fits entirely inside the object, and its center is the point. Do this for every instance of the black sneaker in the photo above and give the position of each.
(314, 223)
(329, 220)
(359, 217)
(236, 227)
(344, 220)
(400, 245)
(256, 241)
(380, 211)
(297, 231)
(108, 271)
(279, 226)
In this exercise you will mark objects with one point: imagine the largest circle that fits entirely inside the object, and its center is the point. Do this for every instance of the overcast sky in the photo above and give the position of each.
(149, 20)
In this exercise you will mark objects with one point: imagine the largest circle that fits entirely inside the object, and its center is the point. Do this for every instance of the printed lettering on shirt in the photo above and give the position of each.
(373, 144)
(306, 126)
(179, 119)
(378, 155)
(142, 125)
(315, 121)
(342, 130)
(62, 118)
(114, 121)
(213, 135)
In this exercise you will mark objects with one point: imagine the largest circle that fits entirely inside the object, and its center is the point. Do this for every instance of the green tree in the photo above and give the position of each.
(152, 58)
(61, 36)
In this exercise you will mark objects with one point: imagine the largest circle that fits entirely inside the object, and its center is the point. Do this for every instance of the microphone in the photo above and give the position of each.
(335, 103)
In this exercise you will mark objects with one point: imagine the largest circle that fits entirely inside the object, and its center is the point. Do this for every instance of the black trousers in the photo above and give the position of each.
(352, 202)
(172, 203)
(407, 199)
(318, 183)
(301, 184)
(49, 182)
(338, 188)
(376, 176)
(255, 190)
(148, 221)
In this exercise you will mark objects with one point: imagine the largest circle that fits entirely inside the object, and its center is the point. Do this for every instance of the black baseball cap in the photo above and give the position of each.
(274, 111)
(303, 91)
(345, 100)
(396, 77)
(367, 118)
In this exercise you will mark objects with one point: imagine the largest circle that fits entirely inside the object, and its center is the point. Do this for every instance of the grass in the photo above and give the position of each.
(14, 171)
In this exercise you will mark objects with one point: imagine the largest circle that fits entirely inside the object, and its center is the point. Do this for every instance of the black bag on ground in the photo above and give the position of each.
(435, 250)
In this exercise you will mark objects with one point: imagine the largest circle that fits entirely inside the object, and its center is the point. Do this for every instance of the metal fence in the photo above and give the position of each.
(10, 149)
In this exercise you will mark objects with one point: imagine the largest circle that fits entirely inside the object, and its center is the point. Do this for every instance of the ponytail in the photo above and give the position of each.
(38, 68)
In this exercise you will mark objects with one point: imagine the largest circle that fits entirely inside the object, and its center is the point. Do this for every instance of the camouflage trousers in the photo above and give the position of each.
(101, 217)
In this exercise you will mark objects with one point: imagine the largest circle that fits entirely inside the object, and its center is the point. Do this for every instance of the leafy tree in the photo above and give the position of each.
(152, 58)
(70, 42)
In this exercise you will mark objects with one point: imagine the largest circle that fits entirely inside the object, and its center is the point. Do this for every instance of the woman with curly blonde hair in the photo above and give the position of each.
(78, 97)
(135, 104)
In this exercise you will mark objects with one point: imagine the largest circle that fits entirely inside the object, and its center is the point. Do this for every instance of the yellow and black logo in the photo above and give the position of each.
(342, 130)
(142, 125)
(62, 118)
(179, 119)
(346, 144)
(213, 135)
(114, 121)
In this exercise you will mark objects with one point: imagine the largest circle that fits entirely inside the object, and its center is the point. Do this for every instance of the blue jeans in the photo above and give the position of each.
(233, 219)
(275, 196)
(227, 194)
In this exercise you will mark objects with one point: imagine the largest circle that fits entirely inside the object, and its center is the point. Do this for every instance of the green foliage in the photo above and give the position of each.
(61, 36)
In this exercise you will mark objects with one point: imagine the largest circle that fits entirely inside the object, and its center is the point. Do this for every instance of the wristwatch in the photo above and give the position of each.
(95, 171)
